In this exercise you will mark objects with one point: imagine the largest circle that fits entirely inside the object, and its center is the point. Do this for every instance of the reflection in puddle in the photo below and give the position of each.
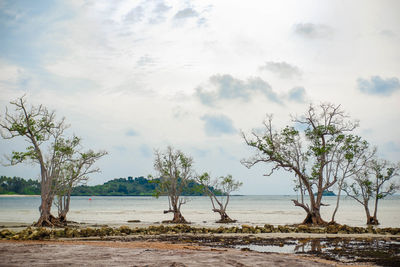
(302, 246)
(268, 248)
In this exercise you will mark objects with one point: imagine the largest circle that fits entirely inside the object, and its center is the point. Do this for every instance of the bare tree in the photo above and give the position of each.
(38, 126)
(73, 172)
(312, 156)
(175, 170)
(226, 185)
(376, 182)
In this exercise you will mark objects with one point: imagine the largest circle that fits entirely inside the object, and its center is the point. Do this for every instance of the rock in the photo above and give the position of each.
(268, 228)
(34, 235)
(125, 229)
(6, 233)
(59, 233)
(332, 229)
(303, 228)
(370, 229)
(283, 229)
(134, 221)
(247, 229)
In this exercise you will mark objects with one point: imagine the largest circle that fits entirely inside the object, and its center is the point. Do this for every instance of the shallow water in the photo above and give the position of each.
(253, 210)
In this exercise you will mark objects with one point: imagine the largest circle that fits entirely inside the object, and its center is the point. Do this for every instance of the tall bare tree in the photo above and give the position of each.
(376, 182)
(73, 171)
(175, 170)
(224, 184)
(312, 156)
(39, 127)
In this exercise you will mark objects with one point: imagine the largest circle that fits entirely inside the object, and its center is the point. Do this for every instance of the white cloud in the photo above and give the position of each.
(115, 66)
(283, 69)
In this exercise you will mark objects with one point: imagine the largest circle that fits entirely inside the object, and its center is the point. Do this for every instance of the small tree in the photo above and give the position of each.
(175, 170)
(312, 156)
(38, 126)
(376, 182)
(73, 172)
(226, 185)
(352, 160)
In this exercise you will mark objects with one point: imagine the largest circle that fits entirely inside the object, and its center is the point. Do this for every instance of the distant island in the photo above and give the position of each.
(130, 186)
(327, 193)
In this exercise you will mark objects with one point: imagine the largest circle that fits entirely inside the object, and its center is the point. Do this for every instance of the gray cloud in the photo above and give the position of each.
(131, 132)
(152, 11)
(227, 87)
(297, 94)
(159, 13)
(135, 15)
(161, 8)
(283, 69)
(186, 13)
(146, 151)
(216, 125)
(313, 31)
(388, 33)
(378, 86)
(145, 60)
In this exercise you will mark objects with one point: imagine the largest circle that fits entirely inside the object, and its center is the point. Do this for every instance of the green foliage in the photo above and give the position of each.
(17, 185)
(138, 186)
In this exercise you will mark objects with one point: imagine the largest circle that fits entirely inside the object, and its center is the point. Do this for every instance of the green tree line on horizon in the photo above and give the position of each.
(138, 186)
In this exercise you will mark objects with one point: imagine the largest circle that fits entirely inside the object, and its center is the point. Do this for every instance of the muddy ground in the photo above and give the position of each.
(382, 251)
(109, 253)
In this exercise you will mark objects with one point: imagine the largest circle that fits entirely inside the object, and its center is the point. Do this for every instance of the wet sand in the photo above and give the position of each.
(100, 253)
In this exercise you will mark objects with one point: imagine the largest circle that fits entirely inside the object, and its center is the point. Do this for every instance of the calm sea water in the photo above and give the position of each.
(253, 210)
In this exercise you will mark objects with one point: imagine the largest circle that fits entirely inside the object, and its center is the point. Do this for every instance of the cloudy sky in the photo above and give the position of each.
(131, 76)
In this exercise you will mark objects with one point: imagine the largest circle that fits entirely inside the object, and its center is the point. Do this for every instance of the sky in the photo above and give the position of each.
(134, 76)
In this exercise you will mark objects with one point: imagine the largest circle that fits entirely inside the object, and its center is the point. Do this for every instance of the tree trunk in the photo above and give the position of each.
(314, 218)
(46, 219)
(224, 217)
(313, 214)
(64, 204)
(371, 220)
(374, 218)
(337, 202)
(178, 218)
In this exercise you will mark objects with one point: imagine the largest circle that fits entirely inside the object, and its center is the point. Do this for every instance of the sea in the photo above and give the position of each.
(250, 210)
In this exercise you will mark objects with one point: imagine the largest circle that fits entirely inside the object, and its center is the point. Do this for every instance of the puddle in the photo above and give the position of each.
(276, 249)
(297, 247)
